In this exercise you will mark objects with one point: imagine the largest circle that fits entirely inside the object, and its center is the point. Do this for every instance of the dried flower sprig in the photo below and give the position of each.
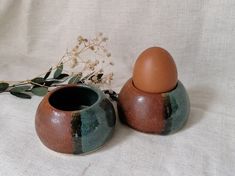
(81, 70)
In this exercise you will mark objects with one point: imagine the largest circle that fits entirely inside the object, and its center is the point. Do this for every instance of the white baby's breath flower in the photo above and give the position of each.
(73, 62)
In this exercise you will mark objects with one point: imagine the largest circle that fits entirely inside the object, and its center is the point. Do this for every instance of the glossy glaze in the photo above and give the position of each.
(75, 131)
(162, 113)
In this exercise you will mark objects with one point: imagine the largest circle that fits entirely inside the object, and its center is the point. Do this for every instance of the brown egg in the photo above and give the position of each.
(155, 71)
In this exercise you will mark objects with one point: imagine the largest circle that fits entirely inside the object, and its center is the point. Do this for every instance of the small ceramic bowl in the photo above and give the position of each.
(161, 113)
(75, 119)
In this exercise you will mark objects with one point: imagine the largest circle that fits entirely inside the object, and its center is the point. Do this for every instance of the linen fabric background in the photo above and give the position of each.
(200, 35)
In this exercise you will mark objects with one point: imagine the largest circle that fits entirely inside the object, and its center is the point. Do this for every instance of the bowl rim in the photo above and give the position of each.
(152, 93)
(89, 87)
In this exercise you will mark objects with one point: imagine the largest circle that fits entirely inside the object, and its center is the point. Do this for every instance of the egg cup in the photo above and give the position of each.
(75, 119)
(160, 113)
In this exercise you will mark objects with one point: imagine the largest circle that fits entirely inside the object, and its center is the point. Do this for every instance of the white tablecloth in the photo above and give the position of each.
(200, 35)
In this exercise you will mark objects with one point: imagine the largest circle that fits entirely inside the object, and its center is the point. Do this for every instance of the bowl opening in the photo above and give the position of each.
(73, 98)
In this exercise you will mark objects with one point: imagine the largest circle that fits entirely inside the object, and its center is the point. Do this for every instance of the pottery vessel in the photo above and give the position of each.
(161, 113)
(75, 119)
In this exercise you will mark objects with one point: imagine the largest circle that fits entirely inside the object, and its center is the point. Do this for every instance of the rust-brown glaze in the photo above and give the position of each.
(140, 110)
(53, 127)
(75, 119)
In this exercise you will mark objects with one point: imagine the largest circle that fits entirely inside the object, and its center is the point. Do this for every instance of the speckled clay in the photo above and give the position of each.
(154, 100)
(160, 113)
(75, 119)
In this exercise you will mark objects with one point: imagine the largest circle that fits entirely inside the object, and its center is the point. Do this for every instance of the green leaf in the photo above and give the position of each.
(20, 89)
(3, 86)
(48, 73)
(63, 75)
(21, 95)
(39, 91)
(49, 83)
(99, 76)
(38, 80)
(75, 79)
(58, 71)
(52, 81)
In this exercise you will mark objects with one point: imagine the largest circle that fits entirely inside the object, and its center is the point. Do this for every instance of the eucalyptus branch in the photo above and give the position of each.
(57, 75)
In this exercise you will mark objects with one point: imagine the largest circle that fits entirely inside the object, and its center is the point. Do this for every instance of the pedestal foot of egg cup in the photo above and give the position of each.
(75, 119)
(160, 113)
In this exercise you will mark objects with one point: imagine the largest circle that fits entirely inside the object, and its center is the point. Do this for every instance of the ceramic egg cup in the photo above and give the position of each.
(79, 118)
(160, 113)
(153, 100)
(75, 119)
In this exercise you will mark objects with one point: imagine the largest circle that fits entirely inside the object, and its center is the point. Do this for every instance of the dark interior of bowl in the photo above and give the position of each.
(73, 98)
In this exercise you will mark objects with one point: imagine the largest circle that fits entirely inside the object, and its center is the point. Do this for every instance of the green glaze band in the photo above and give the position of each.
(177, 107)
(75, 119)
(94, 125)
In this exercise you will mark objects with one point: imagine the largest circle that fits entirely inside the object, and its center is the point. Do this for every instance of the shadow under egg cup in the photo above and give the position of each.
(160, 113)
(75, 119)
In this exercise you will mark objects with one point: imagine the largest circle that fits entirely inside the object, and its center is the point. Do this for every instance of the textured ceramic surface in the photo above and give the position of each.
(162, 113)
(75, 119)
